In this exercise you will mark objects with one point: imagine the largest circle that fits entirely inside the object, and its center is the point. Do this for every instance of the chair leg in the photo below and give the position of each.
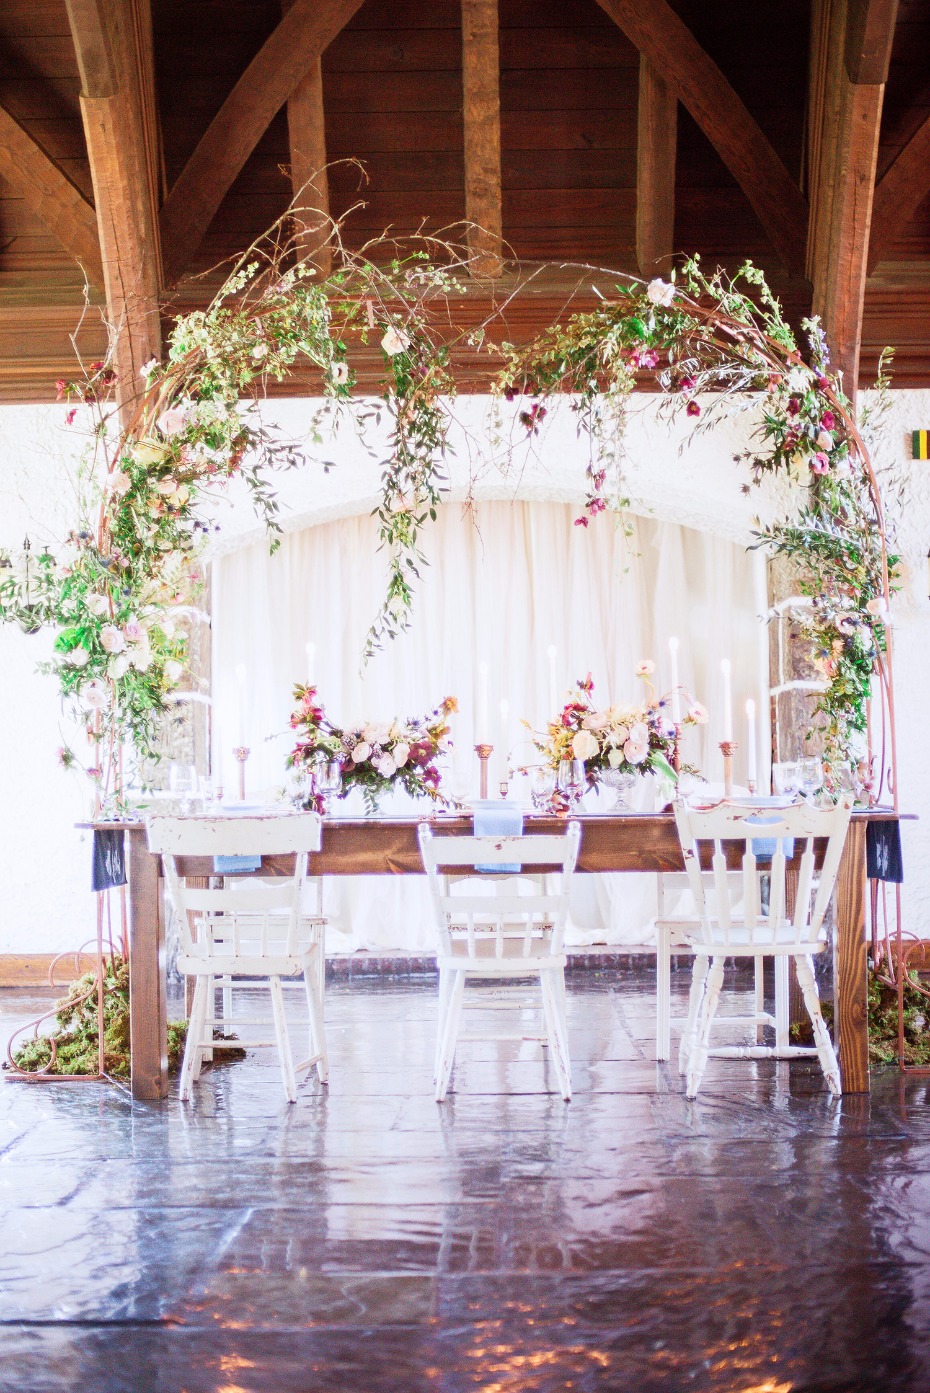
(283, 1039)
(205, 1055)
(317, 1021)
(697, 1061)
(663, 992)
(442, 1007)
(782, 1022)
(699, 970)
(227, 1003)
(450, 1032)
(195, 1029)
(759, 966)
(557, 1030)
(825, 1051)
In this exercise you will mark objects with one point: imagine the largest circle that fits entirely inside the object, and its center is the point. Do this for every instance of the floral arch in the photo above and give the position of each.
(711, 344)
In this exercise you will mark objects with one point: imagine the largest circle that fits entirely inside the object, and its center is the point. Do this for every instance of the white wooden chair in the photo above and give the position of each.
(506, 936)
(244, 930)
(718, 933)
(672, 932)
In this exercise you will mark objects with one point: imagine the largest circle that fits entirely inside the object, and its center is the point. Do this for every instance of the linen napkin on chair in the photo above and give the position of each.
(236, 865)
(493, 819)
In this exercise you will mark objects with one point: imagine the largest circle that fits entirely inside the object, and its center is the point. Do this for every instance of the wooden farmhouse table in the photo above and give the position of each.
(388, 846)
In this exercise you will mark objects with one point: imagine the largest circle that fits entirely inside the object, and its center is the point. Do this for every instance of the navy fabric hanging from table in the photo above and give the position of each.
(109, 860)
(883, 858)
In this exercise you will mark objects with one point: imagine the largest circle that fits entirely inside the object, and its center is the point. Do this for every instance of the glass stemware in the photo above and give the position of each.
(542, 787)
(329, 782)
(297, 784)
(810, 772)
(572, 780)
(621, 781)
(182, 783)
(786, 778)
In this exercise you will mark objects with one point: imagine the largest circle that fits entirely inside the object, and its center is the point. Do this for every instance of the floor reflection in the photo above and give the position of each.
(761, 1239)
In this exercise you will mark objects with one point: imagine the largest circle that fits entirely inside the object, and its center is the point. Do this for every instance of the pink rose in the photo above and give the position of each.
(172, 421)
(111, 639)
(820, 464)
(635, 751)
(133, 630)
(95, 696)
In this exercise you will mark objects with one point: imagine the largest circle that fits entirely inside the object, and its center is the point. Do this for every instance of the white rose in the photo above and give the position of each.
(112, 639)
(619, 735)
(585, 745)
(635, 751)
(639, 733)
(660, 292)
(401, 754)
(361, 752)
(394, 341)
(99, 605)
(95, 696)
(386, 766)
(78, 657)
(119, 666)
(141, 658)
(119, 483)
(149, 451)
(166, 486)
(173, 670)
(615, 758)
(824, 440)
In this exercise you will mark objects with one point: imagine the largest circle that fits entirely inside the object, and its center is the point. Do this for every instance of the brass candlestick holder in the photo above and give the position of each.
(728, 749)
(242, 753)
(676, 749)
(484, 753)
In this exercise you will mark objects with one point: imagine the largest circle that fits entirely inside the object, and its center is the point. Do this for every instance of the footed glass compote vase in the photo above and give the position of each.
(620, 781)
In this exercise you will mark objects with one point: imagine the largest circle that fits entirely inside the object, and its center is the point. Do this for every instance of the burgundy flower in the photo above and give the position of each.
(687, 384)
(794, 406)
(61, 388)
(581, 522)
(823, 382)
(828, 420)
(69, 419)
(692, 408)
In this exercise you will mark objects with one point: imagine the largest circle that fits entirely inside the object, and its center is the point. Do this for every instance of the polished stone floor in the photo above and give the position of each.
(759, 1240)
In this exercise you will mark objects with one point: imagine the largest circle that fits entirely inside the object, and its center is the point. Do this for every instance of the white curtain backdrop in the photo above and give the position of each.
(507, 581)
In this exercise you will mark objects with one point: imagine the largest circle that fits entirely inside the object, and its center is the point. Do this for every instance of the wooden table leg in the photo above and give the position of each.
(850, 974)
(148, 1004)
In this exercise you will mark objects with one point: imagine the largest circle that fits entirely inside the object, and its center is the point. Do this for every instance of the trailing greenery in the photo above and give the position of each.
(75, 1035)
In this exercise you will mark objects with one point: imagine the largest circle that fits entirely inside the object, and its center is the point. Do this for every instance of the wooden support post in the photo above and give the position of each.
(148, 1004)
(482, 113)
(850, 966)
(306, 130)
(844, 116)
(107, 43)
(656, 147)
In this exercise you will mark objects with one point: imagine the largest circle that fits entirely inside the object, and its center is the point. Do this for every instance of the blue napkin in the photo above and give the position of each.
(236, 865)
(763, 848)
(499, 820)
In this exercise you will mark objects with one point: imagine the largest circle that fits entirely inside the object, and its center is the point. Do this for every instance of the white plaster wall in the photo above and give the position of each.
(44, 863)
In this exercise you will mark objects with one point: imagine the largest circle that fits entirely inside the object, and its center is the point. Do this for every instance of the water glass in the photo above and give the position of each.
(572, 779)
(786, 778)
(811, 776)
(182, 784)
(542, 787)
(329, 782)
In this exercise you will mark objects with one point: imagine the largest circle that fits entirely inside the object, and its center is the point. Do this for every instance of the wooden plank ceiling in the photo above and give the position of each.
(609, 132)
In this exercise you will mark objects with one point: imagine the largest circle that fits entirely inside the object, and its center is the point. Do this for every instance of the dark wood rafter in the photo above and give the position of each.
(51, 195)
(659, 34)
(656, 146)
(306, 129)
(281, 64)
(482, 130)
(844, 121)
(109, 40)
(899, 193)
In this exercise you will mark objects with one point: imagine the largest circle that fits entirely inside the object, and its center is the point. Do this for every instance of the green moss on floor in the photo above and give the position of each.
(75, 1032)
(883, 1023)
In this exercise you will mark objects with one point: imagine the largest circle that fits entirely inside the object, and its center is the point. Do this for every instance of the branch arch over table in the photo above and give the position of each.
(712, 345)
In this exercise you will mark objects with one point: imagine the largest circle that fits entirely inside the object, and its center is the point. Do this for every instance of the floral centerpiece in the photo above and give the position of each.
(375, 756)
(628, 739)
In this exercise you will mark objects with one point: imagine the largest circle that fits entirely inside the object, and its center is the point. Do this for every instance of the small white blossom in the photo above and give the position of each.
(394, 342)
(660, 292)
(112, 639)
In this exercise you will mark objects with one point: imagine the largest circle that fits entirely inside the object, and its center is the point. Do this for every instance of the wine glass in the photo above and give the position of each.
(182, 782)
(572, 780)
(457, 780)
(298, 785)
(329, 782)
(810, 772)
(542, 787)
(786, 778)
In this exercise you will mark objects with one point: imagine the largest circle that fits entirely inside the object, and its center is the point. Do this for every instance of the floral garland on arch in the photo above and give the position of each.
(147, 493)
(633, 738)
(374, 756)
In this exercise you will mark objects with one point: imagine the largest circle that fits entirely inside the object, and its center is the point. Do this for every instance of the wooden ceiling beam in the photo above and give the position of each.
(51, 195)
(111, 57)
(306, 132)
(283, 61)
(843, 120)
(656, 149)
(659, 33)
(482, 130)
(900, 192)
